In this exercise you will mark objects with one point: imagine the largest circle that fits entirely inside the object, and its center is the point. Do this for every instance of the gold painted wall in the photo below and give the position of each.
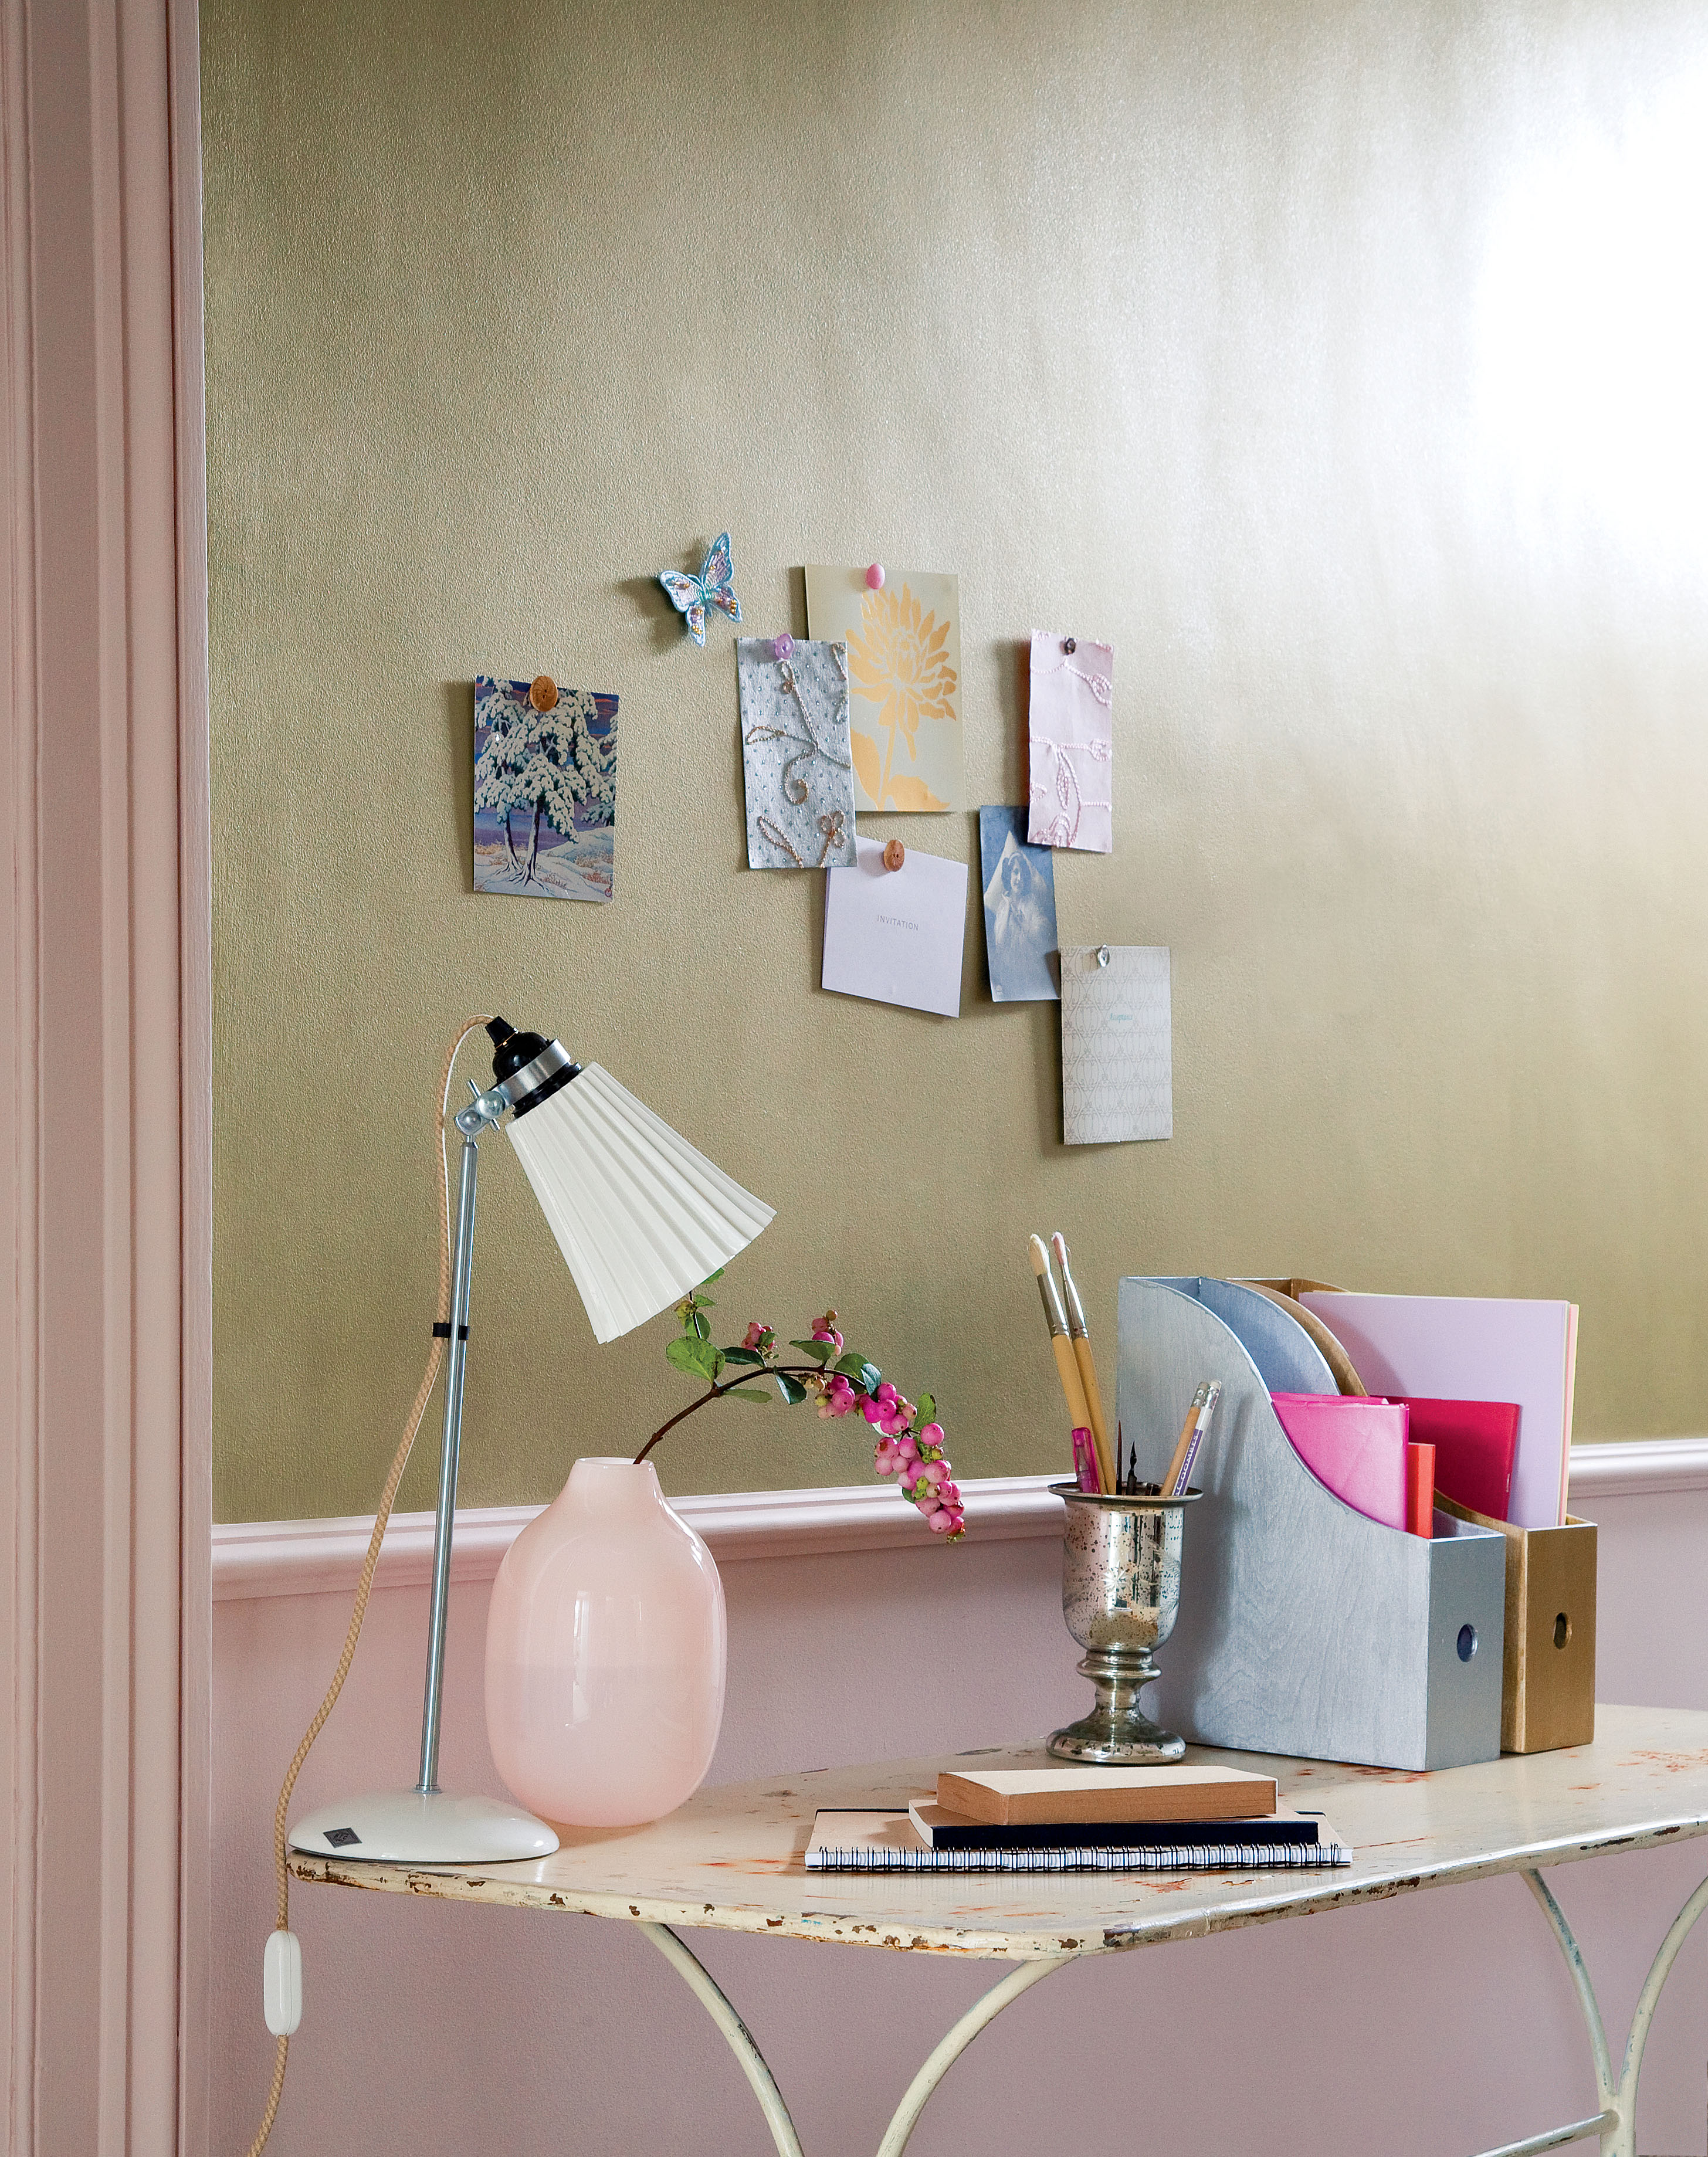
(1339, 363)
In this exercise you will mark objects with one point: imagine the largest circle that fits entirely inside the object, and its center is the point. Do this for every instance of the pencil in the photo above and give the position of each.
(1200, 1429)
(1072, 1391)
(1108, 1468)
(1193, 1430)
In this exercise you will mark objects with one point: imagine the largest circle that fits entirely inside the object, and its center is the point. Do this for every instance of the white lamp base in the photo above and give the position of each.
(411, 1827)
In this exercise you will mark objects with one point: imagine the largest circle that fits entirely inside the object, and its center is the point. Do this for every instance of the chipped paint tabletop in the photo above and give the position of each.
(731, 1856)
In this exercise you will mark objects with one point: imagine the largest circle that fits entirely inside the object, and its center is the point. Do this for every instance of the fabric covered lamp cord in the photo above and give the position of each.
(360, 1610)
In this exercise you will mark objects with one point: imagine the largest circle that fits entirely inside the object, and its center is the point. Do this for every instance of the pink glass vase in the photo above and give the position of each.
(605, 1653)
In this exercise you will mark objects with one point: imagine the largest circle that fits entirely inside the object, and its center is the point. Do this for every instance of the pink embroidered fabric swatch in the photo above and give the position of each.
(1073, 738)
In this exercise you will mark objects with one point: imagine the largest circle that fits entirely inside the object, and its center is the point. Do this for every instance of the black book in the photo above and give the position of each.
(941, 1829)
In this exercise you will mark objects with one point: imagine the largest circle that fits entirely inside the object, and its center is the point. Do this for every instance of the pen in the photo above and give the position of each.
(1108, 1468)
(1072, 1392)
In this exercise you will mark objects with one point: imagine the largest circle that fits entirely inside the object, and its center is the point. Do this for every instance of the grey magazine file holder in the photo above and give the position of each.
(1304, 1627)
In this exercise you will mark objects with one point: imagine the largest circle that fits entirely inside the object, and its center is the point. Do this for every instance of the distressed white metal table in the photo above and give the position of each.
(732, 1860)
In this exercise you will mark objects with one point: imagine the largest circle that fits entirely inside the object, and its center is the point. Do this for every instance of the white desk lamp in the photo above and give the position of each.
(641, 1217)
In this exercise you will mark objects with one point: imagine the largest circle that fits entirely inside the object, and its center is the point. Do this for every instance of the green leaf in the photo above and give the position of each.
(851, 1365)
(820, 1349)
(870, 1376)
(718, 1362)
(792, 1389)
(747, 1393)
(710, 1277)
(702, 1327)
(927, 1410)
(699, 1358)
(744, 1356)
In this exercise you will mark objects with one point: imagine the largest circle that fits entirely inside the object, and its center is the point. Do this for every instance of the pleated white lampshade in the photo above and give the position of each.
(640, 1215)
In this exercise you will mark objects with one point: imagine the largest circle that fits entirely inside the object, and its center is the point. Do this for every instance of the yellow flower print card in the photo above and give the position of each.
(905, 691)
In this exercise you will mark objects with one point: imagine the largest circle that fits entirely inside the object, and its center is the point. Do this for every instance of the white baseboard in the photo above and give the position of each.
(254, 1558)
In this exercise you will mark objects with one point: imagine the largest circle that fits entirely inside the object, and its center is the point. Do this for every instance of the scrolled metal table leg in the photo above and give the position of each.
(738, 2036)
(906, 2114)
(1616, 2124)
(1607, 2089)
(1624, 2145)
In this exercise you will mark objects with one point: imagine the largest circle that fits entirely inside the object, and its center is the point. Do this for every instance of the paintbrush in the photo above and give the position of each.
(1073, 1391)
(1108, 1468)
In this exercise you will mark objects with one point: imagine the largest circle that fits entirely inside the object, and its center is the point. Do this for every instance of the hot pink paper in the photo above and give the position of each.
(1356, 1447)
(1072, 741)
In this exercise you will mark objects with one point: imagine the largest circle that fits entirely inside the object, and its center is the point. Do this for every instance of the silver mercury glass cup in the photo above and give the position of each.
(1121, 1595)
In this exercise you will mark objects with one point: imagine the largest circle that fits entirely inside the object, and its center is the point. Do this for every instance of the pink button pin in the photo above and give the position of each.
(874, 577)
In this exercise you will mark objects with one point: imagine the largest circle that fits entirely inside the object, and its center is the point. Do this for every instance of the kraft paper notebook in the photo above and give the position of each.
(1026, 1797)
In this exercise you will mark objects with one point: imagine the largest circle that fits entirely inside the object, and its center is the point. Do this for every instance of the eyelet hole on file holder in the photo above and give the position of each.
(1467, 1643)
(1563, 1630)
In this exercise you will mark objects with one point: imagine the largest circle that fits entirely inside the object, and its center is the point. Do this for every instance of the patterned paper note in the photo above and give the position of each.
(545, 792)
(1020, 909)
(904, 673)
(1116, 1056)
(794, 753)
(1073, 744)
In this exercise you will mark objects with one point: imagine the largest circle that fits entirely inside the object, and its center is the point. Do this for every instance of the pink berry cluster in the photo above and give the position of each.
(840, 1380)
(926, 1477)
(915, 1456)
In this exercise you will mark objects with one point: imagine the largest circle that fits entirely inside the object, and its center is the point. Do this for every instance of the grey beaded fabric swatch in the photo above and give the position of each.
(795, 760)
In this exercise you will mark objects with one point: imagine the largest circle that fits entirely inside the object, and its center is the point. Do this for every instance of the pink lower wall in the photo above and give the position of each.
(1440, 2023)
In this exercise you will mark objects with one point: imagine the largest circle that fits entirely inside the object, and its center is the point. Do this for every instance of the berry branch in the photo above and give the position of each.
(840, 1381)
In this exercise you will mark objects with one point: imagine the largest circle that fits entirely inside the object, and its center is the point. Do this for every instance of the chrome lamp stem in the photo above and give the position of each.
(481, 1114)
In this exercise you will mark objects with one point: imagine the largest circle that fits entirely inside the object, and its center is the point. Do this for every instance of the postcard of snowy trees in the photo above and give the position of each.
(545, 792)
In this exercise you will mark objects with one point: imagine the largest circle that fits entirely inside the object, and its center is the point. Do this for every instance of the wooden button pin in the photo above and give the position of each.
(542, 692)
(894, 854)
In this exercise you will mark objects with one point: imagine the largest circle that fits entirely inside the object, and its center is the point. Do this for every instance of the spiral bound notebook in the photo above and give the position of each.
(848, 1841)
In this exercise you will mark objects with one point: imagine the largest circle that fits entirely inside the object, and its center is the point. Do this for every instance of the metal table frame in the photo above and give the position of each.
(1644, 1783)
(1615, 2125)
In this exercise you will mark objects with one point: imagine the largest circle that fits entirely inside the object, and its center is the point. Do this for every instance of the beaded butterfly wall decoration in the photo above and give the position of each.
(693, 595)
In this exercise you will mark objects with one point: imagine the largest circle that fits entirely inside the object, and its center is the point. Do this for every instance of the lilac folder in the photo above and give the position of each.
(1474, 1348)
(1356, 1447)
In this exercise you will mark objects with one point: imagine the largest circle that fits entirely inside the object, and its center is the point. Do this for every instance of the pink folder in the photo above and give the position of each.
(1354, 1445)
